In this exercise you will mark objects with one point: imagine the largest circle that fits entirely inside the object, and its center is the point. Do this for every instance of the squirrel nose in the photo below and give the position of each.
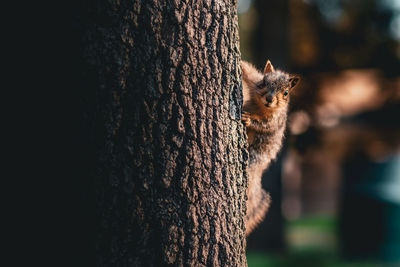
(269, 98)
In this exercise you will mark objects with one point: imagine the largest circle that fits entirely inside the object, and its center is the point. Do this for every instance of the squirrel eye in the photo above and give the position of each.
(286, 93)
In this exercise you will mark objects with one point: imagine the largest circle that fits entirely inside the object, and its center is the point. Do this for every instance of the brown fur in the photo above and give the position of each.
(265, 113)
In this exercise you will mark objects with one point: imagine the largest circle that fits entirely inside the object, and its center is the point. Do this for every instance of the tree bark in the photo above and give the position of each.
(171, 151)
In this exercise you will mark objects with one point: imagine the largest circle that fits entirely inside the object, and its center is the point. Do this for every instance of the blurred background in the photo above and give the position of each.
(336, 185)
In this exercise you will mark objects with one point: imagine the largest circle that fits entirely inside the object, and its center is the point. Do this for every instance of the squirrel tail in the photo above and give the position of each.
(257, 214)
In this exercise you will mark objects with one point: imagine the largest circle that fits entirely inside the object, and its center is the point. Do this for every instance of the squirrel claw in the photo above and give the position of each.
(246, 118)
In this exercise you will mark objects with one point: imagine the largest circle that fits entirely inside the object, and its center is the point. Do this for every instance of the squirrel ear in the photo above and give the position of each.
(268, 67)
(293, 81)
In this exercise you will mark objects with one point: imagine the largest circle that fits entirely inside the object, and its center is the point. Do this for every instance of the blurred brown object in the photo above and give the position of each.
(335, 116)
(304, 51)
(329, 96)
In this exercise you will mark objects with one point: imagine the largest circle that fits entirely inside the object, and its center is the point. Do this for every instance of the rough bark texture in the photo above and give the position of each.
(170, 176)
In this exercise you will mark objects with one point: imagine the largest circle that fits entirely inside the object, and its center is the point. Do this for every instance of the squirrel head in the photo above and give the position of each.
(274, 89)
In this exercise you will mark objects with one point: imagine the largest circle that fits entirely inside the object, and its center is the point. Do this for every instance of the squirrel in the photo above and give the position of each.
(265, 106)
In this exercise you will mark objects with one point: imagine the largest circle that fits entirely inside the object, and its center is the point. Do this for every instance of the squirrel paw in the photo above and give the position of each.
(246, 118)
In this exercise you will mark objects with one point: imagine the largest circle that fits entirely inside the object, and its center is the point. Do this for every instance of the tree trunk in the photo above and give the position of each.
(271, 34)
(171, 152)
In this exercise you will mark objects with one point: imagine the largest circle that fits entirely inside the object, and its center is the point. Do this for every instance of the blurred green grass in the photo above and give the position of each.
(312, 242)
(306, 259)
